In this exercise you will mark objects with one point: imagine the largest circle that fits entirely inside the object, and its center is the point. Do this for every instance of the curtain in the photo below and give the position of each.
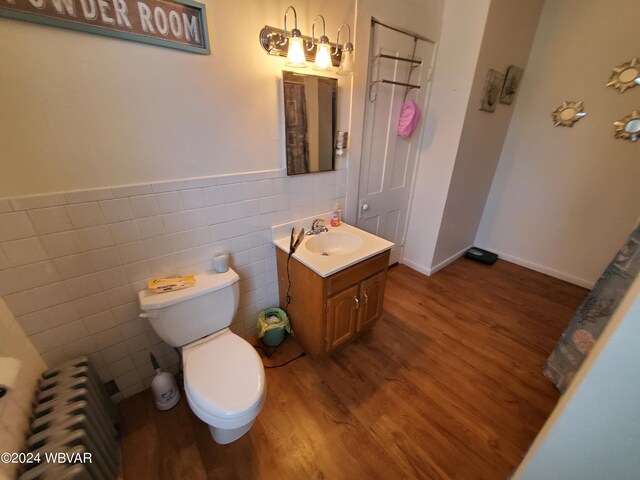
(593, 315)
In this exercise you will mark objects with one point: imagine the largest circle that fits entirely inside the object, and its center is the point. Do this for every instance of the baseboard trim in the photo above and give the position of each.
(542, 269)
(415, 266)
(430, 271)
(450, 260)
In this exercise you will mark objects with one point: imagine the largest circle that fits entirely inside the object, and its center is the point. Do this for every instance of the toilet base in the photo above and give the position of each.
(228, 435)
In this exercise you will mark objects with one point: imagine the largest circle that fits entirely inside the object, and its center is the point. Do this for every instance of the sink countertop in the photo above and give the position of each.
(328, 265)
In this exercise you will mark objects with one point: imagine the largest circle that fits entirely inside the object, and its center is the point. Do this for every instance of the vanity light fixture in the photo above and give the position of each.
(295, 53)
(323, 48)
(299, 49)
(346, 59)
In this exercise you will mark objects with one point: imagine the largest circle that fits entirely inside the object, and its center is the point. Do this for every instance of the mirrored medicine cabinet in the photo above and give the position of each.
(310, 122)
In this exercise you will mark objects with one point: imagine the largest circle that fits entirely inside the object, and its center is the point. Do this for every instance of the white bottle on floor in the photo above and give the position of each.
(164, 387)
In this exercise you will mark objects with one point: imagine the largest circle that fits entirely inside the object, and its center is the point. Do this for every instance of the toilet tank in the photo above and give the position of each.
(183, 316)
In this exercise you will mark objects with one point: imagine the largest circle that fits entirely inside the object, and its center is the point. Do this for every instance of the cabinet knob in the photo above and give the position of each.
(366, 298)
(357, 302)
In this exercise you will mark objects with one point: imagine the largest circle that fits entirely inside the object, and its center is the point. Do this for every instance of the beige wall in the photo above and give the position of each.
(507, 40)
(15, 406)
(82, 111)
(564, 199)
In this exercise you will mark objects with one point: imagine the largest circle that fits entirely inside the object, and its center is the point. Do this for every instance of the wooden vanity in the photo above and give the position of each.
(327, 313)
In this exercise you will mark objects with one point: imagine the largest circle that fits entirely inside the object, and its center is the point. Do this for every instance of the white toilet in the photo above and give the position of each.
(223, 374)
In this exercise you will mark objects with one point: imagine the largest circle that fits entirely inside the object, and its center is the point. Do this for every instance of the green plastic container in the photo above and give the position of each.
(274, 337)
(273, 322)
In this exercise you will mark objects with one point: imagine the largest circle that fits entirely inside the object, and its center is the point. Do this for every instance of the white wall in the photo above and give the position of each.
(71, 264)
(83, 111)
(594, 431)
(15, 406)
(457, 56)
(507, 40)
(564, 199)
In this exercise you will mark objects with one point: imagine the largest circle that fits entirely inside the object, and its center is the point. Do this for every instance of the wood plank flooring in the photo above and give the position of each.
(447, 385)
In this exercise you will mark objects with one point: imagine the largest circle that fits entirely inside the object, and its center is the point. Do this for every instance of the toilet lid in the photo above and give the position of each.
(224, 376)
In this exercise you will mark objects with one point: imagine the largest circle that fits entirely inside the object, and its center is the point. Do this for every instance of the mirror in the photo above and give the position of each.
(567, 114)
(310, 122)
(625, 76)
(628, 128)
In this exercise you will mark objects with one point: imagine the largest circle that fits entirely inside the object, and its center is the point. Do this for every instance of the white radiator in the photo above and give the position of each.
(74, 430)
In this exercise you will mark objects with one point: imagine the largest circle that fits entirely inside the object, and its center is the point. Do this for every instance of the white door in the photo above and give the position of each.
(388, 161)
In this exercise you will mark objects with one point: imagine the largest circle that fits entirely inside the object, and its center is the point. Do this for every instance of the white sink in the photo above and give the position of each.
(333, 243)
(329, 252)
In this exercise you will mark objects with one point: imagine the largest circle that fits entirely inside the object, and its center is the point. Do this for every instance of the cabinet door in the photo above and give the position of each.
(371, 298)
(342, 318)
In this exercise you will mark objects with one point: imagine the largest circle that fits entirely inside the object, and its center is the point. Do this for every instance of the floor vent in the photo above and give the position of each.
(73, 432)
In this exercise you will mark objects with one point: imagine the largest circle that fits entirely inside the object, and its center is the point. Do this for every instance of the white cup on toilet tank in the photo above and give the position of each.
(221, 262)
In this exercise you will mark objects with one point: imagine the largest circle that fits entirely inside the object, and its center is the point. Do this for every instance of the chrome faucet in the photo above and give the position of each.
(317, 227)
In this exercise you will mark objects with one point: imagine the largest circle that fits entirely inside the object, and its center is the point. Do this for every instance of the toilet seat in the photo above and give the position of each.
(224, 380)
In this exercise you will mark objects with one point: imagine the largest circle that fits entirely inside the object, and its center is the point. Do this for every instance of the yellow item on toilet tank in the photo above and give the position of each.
(162, 285)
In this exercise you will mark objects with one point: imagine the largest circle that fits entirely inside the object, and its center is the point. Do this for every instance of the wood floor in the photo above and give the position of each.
(448, 384)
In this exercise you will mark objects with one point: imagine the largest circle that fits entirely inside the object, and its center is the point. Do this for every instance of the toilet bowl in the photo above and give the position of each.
(224, 377)
(224, 384)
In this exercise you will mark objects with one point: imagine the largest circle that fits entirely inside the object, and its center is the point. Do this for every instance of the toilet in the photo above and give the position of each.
(224, 377)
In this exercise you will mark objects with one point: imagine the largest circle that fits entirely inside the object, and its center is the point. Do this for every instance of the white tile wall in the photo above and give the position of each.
(15, 406)
(71, 263)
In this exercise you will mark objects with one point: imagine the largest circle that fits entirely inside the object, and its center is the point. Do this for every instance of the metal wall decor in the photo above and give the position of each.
(625, 76)
(511, 83)
(567, 114)
(628, 128)
(492, 89)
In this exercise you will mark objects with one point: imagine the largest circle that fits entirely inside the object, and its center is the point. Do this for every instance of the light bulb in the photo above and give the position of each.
(346, 62)
(295, 55)
(323, 57)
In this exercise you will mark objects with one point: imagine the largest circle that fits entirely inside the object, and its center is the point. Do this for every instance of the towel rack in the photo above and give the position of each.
(407, 85)
(415, 63)
(402, 59)
(402, 84)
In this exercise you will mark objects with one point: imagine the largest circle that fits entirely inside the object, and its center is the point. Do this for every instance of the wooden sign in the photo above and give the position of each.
(169, 23)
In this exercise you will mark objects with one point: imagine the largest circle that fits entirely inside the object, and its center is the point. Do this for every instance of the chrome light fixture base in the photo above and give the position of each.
(273, 41)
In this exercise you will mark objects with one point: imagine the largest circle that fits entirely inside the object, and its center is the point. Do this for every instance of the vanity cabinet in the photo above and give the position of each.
(342, 318)
(327, 313)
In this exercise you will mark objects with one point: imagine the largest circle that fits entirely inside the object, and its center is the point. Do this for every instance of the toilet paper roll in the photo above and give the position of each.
(9, 369)
(221, 262)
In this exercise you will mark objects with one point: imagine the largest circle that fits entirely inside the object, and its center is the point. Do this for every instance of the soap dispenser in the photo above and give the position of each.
(336, 216)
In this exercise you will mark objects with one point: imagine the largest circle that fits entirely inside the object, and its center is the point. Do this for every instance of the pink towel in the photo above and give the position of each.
(409, 118)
